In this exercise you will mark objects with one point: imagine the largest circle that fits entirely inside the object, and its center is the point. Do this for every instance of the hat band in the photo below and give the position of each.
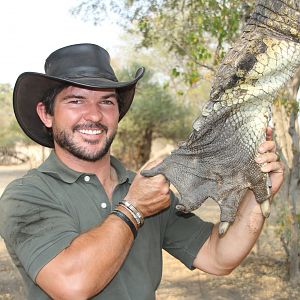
(96, 76)
(83, 72)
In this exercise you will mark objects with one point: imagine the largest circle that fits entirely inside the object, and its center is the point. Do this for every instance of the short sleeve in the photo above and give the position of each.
(185, 234)
(34, 225)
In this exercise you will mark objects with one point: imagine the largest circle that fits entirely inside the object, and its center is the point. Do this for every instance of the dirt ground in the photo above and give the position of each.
(261, 276)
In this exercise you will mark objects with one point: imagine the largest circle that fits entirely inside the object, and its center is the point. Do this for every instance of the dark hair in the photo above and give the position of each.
(48, 100)
(119, 101)
(49, 97)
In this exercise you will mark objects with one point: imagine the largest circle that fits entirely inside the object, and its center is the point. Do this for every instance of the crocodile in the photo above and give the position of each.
(217, 160)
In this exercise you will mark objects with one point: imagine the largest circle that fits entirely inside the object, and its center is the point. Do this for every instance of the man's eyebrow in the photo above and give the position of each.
(72, 96)
(113, 94)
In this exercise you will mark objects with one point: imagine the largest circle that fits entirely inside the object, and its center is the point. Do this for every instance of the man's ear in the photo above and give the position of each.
(44, 116)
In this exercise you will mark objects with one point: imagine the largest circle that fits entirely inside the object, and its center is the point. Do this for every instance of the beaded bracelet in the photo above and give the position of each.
(134, 211)
(122, 216)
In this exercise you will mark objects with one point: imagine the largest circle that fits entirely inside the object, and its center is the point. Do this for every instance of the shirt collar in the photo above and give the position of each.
(57, 169)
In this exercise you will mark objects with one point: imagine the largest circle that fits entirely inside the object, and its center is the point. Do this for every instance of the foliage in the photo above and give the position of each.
(153, 114)
(197, 31)
(10, 132)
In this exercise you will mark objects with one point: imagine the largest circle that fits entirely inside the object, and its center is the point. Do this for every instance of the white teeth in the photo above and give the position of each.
(89, 131)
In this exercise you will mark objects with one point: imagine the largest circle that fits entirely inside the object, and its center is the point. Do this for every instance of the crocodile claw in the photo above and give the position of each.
(223, 227)
(265, 208)
(181, 208)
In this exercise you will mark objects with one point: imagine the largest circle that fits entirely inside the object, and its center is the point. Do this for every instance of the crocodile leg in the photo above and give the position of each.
(218, 158)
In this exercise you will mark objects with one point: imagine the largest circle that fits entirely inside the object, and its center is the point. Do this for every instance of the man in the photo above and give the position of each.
(80, 226)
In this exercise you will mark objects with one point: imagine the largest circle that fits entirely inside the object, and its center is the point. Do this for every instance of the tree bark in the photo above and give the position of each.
(144, 148)
(286, 120)
(293, 198)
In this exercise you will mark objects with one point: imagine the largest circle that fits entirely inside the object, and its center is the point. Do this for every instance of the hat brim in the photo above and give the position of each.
(30, 87)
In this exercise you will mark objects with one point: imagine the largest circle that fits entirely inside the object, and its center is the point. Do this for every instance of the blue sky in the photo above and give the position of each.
(32, 29)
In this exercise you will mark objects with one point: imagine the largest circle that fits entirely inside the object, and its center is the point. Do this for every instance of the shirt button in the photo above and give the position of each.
(87, 178)
(103, 205)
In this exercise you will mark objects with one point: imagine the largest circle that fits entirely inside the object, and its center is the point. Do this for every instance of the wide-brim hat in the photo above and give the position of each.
(84, 65)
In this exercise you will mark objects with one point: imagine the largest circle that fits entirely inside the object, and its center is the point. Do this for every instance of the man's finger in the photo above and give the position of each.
(269, 134)
(267, 146)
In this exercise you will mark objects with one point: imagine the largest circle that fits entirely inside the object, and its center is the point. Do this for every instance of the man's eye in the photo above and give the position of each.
(75, 101)
(107, 101)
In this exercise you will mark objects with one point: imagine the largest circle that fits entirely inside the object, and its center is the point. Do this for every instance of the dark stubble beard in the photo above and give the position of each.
(65, 142)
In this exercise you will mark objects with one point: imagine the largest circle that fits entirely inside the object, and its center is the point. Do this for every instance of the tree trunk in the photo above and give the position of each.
(286, 121)
(144, 148)
(293, 198)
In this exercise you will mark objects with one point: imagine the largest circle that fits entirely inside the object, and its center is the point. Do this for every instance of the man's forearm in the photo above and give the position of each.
(220, 255)
(89, 263)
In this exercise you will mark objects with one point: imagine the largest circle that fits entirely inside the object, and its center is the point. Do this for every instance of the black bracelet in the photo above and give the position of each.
(122, 216)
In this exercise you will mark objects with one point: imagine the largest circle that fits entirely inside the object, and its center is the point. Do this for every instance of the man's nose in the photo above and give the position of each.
(92, 112)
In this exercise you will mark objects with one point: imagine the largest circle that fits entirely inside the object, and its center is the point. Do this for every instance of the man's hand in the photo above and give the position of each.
(220, 255)
(149, 195)
(270, 162)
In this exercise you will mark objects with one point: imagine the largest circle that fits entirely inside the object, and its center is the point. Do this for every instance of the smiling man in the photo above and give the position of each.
(81, 226)
(84, 121)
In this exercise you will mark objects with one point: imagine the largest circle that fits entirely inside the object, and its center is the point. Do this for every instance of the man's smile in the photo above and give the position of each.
(91, 131)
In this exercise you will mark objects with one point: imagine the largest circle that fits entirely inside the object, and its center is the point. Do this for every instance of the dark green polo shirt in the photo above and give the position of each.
(41, 213)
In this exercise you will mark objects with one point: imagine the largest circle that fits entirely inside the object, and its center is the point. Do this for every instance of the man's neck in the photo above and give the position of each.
(102, 168)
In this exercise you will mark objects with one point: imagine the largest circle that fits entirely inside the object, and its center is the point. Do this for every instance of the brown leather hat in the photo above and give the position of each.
(85, 65)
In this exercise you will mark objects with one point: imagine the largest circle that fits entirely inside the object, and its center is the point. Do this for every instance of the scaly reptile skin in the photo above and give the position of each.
(217, 160)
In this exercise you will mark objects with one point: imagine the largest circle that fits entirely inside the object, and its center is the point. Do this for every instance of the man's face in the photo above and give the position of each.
(85, 121)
